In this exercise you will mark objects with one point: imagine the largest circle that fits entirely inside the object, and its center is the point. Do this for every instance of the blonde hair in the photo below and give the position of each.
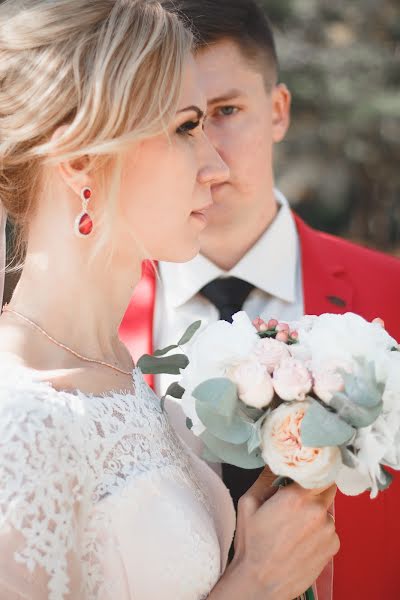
(110, 70)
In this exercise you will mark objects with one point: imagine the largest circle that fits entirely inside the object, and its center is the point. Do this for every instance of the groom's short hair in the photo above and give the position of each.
(241, 21)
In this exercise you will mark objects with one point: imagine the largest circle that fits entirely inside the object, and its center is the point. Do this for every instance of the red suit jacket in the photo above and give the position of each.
(338, 277)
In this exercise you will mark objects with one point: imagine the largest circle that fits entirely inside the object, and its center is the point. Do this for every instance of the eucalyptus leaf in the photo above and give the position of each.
(321, 428)
(219, 394)
(170, 365)
(254, 440)
(229, 429)
(175, 390)
(165, 350)
(353, 413)
(216, 403)
(209, 456)
(348, 457)
(189, 333)
(363, 390)
(233, 454)
(385, 480)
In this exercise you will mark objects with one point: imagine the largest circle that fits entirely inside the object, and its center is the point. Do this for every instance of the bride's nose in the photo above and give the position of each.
(212, 169)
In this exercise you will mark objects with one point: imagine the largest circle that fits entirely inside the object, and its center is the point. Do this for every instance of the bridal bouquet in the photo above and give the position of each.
(318, 401)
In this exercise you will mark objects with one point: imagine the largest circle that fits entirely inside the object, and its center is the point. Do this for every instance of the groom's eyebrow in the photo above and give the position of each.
(227, 97)
(193, 108)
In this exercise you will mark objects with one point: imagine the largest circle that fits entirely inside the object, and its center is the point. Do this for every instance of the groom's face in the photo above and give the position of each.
(245, 118)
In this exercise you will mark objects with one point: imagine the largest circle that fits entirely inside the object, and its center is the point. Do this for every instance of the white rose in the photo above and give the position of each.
(211, 353)
(327, 378)
(344, 337)
(271, 352)
(292, 380)
(285, 455)
(254, 383)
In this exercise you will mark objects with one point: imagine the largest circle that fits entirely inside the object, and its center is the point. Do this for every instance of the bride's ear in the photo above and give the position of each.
(74, 172)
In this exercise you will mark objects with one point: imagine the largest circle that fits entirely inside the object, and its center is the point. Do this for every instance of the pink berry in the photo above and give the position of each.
(272, 323)
(294, 335)
(257, 322)
(282, 336)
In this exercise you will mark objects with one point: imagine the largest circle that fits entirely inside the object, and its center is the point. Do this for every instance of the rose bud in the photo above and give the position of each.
(282, 336)
(272, 323)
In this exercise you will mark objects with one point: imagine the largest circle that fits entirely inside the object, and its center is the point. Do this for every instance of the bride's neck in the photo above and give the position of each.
(78, 303)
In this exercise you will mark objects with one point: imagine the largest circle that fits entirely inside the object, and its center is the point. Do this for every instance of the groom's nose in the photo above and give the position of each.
(213, 169)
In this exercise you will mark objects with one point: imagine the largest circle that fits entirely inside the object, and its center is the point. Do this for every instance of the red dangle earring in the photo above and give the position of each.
(83, 222)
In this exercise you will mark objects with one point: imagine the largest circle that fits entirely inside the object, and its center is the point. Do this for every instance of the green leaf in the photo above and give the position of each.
(353, 413)
(175, 390)
(364, 390)
(165, 350)
(189, 423)
(170, 365)
(348, 457)
(220, 394)
(189, 333)
(385, 481)
(216, 402)
(209, 456)
(254, 440)
(233, 454)
(321, 428)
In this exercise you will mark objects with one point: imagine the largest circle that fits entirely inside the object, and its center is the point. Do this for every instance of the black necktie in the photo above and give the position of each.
(228, 296)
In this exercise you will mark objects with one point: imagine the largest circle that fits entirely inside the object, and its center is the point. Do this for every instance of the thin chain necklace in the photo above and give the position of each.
(84, 358)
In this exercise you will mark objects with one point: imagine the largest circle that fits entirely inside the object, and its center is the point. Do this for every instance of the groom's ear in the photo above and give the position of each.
(73, 172)
(281, 104)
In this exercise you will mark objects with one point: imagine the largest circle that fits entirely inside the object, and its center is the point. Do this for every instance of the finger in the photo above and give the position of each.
(326, 496)
(260, 491)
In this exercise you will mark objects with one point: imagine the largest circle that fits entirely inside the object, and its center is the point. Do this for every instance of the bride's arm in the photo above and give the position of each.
(41, 479)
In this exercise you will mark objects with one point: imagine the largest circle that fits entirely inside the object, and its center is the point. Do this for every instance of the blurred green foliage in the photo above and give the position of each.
(340, 163)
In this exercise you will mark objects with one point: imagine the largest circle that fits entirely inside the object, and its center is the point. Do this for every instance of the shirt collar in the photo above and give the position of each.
(270, 265)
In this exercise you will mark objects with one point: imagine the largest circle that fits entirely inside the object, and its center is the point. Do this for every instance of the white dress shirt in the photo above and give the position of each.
(272, 265)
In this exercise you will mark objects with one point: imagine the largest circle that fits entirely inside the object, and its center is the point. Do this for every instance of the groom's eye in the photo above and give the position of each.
(187, 127)
(227, 111)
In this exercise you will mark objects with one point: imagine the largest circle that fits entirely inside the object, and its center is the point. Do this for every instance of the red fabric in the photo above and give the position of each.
(136, 330)
(338, 277)
(368, 564)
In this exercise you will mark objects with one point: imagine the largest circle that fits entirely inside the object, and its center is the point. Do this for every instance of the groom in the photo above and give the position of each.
(258, 255)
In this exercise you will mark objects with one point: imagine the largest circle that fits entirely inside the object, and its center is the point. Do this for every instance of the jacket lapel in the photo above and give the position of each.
(324, 289)
(136, 330)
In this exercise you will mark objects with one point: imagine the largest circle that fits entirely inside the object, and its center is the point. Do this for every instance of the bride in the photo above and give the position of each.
(104, 162)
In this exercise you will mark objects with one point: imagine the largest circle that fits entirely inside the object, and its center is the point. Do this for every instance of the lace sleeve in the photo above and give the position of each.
(41, 475)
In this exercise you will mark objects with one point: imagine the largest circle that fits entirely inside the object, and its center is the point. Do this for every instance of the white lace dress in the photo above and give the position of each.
(99, 499)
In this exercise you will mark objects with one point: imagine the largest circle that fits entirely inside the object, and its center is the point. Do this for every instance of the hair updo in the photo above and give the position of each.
(110, 70)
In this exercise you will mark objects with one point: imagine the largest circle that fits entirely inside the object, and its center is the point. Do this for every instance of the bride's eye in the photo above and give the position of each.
(187, 127)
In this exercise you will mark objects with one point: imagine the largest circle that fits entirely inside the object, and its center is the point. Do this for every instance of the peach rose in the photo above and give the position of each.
(254, 383)
(292, 380)
(285, 455)
(270, 353)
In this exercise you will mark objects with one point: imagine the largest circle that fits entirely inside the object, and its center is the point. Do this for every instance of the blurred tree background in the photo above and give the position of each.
(340, 163)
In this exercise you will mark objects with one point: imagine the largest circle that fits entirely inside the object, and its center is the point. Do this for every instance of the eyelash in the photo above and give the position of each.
(187, 127)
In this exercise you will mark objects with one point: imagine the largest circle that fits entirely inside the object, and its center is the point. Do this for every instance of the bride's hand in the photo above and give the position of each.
(283, 541)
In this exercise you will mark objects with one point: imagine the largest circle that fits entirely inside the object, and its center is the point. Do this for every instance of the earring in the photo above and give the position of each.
(83, 222)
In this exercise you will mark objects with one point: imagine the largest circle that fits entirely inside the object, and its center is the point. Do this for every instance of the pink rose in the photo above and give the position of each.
(327, 379)
(254, 383)
(285, 455)
(270, 353)
(292, 380)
